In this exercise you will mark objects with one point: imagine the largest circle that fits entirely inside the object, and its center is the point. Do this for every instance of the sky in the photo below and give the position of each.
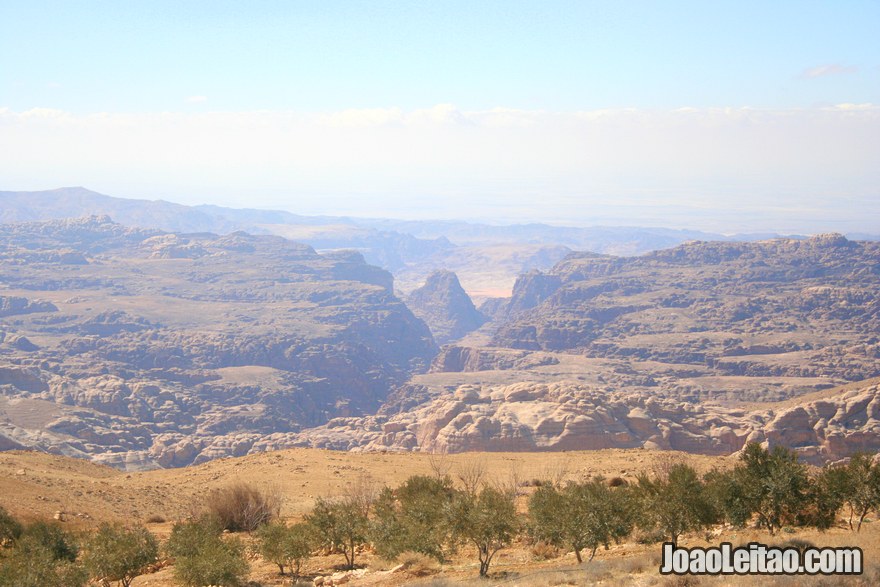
(726, 116)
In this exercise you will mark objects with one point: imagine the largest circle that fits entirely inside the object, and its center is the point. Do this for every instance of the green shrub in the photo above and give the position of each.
(116, 553)
(774, 485)
(35, 565)
(286, 546)
(675, 503)
(413, 517)
(10, 528)
(486, 519)
(581, 515)
(340, 525)
(203, 557)
(862, 493)
(60, 545)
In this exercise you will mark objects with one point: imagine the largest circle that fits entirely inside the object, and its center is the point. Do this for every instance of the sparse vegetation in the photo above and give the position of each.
(117, 553)
(286, 546)
(202, 556)
(485, 519)
(414, 517)
(423, 522)
(340, 525)
(10, 528)
(44, 556)
(244, 507)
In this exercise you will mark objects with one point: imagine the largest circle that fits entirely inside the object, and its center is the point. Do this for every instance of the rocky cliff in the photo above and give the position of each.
(574, 416)
(145, 348)
(784, 307)
(445, 307)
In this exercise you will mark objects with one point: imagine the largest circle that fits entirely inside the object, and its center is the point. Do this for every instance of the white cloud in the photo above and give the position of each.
(827, 69)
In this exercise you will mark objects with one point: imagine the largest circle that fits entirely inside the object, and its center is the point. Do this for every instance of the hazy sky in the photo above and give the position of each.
(717, 115)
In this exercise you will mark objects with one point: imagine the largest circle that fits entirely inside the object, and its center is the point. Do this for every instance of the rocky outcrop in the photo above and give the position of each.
(445, 307)
(14, 305)
(166, 349)
(572, 416)
(777, 308)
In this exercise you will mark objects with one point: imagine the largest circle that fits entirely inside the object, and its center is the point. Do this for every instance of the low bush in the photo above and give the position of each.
(117, 553)
(203, 557)
(243, 507)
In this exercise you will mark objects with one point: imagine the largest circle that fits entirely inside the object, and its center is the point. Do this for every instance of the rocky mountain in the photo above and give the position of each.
(389, 249)
(487, 258)
(783, 307)
(143, 348)
(445, 307)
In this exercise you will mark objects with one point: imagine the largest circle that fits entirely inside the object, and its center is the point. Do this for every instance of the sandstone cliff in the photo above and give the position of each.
(445, 307)
(144, 348)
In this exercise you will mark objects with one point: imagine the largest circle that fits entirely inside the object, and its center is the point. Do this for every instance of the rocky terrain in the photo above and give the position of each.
(142, 348)
(445, 307)
(487, 258)
(774, 308)
(690, 349)
(562, 416)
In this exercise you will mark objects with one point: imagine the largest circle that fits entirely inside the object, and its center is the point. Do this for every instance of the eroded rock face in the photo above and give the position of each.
(572, 416)
(165, 349)
(777, 308)
(445, 307)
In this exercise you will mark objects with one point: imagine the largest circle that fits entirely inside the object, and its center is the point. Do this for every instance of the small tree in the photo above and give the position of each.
(116, 553)
(581, 515)
(774, 485)
(413, 517)
(486, 519)
(340, 525)
(826, 494)
(33, 565)
(286, 546)
(43, 556)
(727, 497)
(244, 507)
(676, 503)
(863, 488)
(203, 557)
(60, 544)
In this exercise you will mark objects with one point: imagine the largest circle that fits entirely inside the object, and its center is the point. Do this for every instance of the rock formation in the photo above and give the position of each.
(572, 416)
(143, 348)
(445, 307)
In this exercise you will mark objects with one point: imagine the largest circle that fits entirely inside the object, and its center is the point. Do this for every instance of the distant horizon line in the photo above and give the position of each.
(462, 220)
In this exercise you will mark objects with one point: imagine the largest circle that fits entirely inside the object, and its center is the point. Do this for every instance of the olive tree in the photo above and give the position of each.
(414, 517)
(676, 502)
(340, 525)
(487, 519)
(203, 557)
(117, 553)
(286, 546)
(581, 515)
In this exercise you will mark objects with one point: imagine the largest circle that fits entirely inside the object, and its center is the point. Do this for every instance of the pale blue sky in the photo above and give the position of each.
(397, 107)
(88, 56)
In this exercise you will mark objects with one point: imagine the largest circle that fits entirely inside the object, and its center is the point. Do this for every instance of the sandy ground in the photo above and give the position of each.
(36, 485)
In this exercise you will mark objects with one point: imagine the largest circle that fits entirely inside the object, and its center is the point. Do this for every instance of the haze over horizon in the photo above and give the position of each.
(729, 117)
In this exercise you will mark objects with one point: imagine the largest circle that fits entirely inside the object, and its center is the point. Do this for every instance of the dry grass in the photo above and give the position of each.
(243, 507)
(51, 483)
